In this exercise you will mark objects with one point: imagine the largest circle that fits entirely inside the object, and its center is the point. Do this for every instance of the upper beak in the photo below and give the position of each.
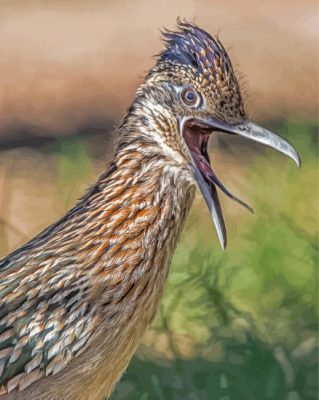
(207, 182)
(255, 132)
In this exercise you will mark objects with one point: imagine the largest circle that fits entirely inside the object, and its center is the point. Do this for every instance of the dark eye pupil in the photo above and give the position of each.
(190, 96)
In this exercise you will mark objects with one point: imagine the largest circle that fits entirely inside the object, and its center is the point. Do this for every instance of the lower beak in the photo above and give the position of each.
(248, 130)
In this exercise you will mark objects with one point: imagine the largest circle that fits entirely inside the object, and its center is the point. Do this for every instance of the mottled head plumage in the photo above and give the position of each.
(191, 46)
(193, 57)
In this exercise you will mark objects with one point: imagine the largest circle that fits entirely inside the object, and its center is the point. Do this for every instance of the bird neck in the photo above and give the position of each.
(148, 186)
(151, 128)
(146, 194)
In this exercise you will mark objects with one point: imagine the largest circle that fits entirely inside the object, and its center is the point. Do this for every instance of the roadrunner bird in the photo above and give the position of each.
(76, 299)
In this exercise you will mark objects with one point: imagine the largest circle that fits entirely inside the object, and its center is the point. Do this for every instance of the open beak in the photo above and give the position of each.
(196, 134)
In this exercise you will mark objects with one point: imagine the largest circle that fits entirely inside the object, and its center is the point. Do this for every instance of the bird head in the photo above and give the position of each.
(194, 79)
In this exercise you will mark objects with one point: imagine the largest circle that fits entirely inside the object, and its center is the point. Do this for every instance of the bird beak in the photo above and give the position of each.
(255, 132)
(206, 177)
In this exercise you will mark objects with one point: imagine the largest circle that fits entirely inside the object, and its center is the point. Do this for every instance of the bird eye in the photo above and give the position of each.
(190, 97)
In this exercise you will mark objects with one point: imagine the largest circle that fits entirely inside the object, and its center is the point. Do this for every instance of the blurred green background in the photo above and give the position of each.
(239, 324)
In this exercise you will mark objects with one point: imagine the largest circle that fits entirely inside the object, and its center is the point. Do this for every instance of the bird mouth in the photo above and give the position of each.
(196, 134)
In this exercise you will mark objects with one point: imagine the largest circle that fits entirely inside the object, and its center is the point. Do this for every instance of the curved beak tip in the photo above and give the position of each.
(298, 161)
(255, 132)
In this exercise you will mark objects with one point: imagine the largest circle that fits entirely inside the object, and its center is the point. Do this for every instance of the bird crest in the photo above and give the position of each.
(192, 47)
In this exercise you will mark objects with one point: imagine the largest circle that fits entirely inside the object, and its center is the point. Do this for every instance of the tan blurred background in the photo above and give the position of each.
(66, 65)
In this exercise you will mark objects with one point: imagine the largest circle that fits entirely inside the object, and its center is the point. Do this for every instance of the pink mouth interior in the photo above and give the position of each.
(196, 135)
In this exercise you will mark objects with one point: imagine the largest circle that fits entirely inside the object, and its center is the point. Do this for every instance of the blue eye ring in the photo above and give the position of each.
(190, 97)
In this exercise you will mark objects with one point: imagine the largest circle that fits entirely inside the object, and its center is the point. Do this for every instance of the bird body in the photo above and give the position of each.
(112, 311)
(76, 300)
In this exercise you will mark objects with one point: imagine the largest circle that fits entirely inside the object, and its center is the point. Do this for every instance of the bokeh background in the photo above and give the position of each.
(239, 324)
